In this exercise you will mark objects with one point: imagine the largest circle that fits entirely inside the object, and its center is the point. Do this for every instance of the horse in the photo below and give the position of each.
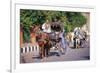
(44, 44)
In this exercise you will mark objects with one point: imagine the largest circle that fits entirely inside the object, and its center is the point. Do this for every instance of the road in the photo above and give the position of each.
(70, 55)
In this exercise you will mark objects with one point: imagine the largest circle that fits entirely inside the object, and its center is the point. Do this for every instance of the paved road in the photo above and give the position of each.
(70, 55)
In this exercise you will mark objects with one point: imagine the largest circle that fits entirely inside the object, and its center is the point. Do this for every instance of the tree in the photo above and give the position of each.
(30, 17)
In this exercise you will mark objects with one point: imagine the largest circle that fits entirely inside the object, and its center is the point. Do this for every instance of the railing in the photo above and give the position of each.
(28, 49)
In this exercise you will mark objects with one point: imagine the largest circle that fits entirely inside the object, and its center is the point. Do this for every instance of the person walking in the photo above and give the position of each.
(63, 41)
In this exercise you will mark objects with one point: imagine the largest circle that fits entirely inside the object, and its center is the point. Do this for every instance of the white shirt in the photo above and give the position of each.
(46, 28)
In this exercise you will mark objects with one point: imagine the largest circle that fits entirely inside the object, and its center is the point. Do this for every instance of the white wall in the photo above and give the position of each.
(5, 35)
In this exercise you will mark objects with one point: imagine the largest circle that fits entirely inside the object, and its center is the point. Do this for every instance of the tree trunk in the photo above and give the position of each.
(21, 38)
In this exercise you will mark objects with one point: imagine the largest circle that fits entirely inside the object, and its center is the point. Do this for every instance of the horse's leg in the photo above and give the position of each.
(40, 52)
(46, 51)
(43, 52)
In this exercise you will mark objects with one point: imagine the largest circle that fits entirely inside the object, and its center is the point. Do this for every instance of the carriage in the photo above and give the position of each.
(50, 41)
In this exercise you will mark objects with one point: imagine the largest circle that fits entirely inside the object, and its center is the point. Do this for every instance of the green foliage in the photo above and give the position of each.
(38, 17)
(76, 19)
